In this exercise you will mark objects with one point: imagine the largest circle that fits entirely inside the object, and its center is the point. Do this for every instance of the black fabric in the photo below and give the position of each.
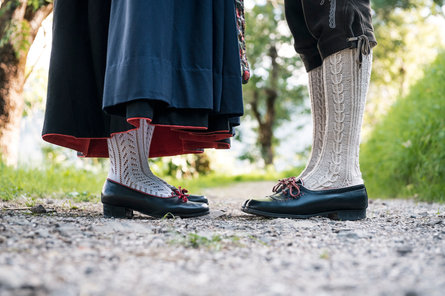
(85, 40)
(77, 71)
(323, 27)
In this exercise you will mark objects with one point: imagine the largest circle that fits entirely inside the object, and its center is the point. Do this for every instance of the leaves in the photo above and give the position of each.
(15, 28)
(406, 151)
(36, 4)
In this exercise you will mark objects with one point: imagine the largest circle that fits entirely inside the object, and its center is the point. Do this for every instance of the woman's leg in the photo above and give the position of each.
(129, 161)
(131, 185)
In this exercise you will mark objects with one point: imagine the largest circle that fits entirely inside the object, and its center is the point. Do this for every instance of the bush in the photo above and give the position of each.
(405, 155)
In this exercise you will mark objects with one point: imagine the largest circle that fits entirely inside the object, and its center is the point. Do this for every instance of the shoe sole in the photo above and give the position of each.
(111, 211)
(342, 215)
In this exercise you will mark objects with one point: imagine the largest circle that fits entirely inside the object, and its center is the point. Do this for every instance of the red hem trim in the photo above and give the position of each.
(167, 140)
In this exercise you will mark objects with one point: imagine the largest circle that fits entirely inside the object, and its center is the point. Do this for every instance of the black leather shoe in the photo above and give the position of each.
(198, 198)
(119, 201)
(191, 197)
(293, 200)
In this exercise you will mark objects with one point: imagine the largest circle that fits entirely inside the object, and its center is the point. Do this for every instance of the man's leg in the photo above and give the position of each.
(306, 46)
(346, 85)
(334, 186)
(345, 35)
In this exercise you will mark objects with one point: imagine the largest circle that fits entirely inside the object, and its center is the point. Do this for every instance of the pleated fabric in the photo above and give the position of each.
(174, 63)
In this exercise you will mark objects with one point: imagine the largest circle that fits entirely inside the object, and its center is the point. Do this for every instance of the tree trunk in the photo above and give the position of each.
(19, 25)
(266, 123)
(11, 105)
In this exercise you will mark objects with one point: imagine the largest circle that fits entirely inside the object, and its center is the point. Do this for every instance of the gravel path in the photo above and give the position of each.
(398, 250)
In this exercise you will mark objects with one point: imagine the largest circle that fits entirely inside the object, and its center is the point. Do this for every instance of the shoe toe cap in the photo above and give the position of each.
(246, 204)
(198, 198)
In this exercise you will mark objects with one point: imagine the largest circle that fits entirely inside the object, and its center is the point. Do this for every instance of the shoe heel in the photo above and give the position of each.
(117, 212)
(350, 215)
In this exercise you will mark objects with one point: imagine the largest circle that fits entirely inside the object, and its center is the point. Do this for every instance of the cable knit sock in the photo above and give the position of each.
(129, 161)
(345, 88)
(318, 110)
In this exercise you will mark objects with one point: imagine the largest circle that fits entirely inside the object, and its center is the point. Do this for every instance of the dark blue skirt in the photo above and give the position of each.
(174, 63)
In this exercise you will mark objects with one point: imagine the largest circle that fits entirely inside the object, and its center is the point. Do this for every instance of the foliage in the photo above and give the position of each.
(405, 155)
(182, 166)
(408, 40)
(36, 4)
(385, 7)
(17, 32)
(20, 21)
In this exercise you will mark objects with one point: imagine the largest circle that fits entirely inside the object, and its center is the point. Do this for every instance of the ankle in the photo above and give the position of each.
(316, 185)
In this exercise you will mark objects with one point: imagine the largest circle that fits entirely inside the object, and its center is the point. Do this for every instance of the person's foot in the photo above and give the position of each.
(292, 200)
(119, 201)
(178, 190)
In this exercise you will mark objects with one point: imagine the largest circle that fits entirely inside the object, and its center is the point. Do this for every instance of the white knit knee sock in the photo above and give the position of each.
(129, 161)
(345, 88)
(318, 110)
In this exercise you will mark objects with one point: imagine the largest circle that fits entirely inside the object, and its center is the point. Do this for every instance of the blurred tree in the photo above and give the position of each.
(20, 21)
(394, 21)
(182, 166)
(270, 95)
(409, 38)
(386, 7)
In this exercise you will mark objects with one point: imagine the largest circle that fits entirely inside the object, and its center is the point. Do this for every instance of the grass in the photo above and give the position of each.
(405, 155)
(74, 184)
(81, 185)
(214, 242)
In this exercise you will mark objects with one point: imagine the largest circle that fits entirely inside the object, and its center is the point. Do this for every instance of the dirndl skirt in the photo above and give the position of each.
(174, 63)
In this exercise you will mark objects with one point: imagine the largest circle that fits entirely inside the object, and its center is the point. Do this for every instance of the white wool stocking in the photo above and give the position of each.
(129, 161)
(345, 88)
(318, 110)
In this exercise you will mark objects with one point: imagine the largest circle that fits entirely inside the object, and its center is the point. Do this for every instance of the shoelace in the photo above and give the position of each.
(288, 183)
(363, 47)
(182, 193)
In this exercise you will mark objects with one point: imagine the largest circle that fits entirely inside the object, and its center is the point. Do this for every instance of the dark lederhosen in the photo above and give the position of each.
(324, 27)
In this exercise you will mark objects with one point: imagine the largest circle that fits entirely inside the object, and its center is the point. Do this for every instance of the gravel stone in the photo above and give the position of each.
(38, 209)
(73, 250)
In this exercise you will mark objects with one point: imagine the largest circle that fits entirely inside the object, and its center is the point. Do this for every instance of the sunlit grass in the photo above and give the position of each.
(82, 185)
(75, 184)
(405, 155)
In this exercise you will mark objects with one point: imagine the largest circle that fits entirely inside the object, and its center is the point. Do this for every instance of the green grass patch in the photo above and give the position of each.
(214, 242)
(81, 185)
(405, 155)
(71, 183)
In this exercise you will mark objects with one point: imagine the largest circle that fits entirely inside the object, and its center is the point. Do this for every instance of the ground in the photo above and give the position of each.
(72, 250)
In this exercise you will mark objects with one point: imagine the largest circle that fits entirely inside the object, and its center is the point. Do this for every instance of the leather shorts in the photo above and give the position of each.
(323, 27)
